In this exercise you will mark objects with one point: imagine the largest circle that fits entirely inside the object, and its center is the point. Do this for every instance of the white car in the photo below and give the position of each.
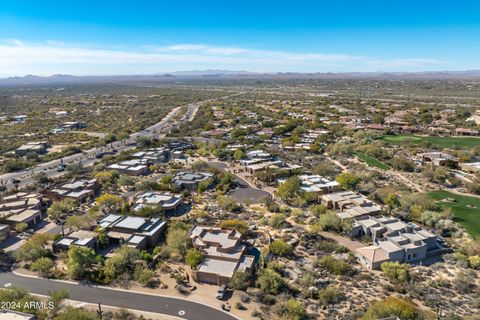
(221, 292)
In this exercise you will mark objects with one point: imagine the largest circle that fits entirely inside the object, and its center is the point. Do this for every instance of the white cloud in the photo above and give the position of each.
(19, 58)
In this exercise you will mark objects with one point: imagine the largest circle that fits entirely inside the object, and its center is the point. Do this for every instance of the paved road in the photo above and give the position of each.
(87, 157)
(91, 294)
(244, 193)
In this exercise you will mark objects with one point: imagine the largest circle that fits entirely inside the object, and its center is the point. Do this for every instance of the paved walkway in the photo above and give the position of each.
(337, 163)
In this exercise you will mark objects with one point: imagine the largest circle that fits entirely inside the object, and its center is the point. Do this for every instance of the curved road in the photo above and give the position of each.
(245, 192)
(131, 300)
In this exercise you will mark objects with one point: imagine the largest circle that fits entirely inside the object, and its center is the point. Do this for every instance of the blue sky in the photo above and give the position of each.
(140, 37)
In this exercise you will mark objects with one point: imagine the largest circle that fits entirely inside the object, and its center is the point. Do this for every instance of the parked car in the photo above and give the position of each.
(24, 235)
(221, 292)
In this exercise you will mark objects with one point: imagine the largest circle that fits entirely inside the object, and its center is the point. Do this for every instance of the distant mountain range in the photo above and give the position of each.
(210, 73)
(231, 74)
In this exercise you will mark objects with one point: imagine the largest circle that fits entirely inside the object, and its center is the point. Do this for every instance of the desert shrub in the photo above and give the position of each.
(291, 309)
(278, 220)
(144, 276)
(280, 248)
(330, 295)
(391, 306)
(240, 280)
(396, 272)
(270, 282)
(330, 222)
(239, 225)
(335, 266)
(43, 265)
(474, 262)
(193, 258)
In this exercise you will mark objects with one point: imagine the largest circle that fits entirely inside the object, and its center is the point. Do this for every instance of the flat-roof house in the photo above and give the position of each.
(442, 123)
(298, 146)
(81, 238)
(315, 184)
(349, 204)
(166, 200)
(411, 129)
(475, 118)
(137, 232)
(224, 254)
(15, 315)
(265, 132)
(393, 240)
(470, 167)
(439, 130)
(57, 130)
(437, 158)
(315, 133)
(134, 167)
(39, 147)
(80, 190)
(275, 164)
(20, 119)
(61, 113)
(179, 145)
(190, 180)
(4, 231)
(375, 126)
(154, 155)
(256, 157)
(395, 121)
(237, 146)
(466, 132)
(74, 125)
(22, 207)
(259, 154)
(215, 133)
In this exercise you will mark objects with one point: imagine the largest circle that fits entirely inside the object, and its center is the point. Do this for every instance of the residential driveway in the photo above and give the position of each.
(131, 300)
(344, 241)
(245, 193)
(12, 243)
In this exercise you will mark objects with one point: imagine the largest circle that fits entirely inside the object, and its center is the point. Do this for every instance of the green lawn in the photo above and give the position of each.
(371, 161)
(469, 218)
(445, 142)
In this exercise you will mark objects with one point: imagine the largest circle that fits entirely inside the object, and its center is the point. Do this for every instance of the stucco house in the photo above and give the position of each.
(393, 240)
(224, 254)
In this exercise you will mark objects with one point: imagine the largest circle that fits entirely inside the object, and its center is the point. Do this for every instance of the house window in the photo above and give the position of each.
(408, 257)
(414, 255)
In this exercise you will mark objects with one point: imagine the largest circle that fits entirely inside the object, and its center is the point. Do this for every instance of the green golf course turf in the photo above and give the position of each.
(445, 142)
(371, 161)
(468, 217)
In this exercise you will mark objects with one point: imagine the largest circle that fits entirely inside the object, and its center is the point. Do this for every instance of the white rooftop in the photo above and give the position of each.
(220, 267)
(14, 315)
